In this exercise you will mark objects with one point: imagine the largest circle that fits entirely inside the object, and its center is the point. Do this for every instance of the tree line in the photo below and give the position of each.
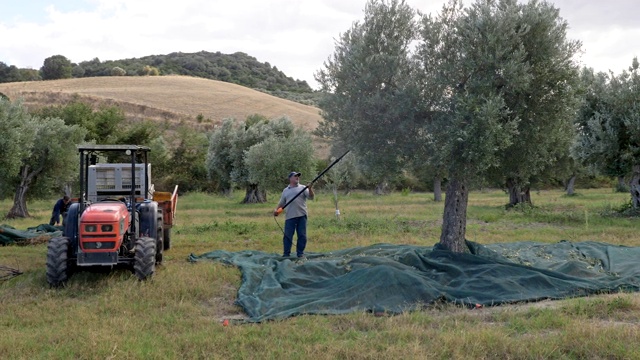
(254, 154)
(40, 158)
(238, 68)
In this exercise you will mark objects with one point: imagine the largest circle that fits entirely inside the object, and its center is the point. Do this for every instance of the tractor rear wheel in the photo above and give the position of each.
(57, 261)
(145, 258)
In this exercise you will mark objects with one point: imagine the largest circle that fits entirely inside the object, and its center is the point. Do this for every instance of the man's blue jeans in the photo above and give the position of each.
(298, 225)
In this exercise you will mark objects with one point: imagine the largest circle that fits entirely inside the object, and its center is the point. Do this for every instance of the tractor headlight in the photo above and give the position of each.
(90, 228)
(106, 228)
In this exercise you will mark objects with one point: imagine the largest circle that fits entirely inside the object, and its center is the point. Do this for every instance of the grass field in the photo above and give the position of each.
(178, 313)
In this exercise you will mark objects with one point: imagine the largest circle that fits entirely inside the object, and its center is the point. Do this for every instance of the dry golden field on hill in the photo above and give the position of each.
(165, 98)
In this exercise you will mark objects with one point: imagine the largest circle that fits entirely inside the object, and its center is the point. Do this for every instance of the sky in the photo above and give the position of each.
(297, 36)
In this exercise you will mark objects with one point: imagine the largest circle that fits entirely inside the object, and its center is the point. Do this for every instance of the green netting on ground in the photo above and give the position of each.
(11, 235)
(397, 278)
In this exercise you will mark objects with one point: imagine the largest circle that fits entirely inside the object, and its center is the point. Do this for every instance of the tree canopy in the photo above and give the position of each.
(372, 101)
(609, 125)
(104, 125)
(238, 68)
(39, 154)
(257, 154)
(56, 67)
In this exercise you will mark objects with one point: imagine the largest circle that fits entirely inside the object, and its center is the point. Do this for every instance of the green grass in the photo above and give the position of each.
(178, 313)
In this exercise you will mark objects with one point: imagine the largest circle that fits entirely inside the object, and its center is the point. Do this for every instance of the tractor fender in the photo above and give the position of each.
(71, 228)
(148, 225)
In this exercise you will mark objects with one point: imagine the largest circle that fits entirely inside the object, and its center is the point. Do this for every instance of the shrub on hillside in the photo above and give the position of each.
(118, 71)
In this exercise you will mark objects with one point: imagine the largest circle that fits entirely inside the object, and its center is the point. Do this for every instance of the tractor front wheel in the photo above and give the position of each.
(57, 261)
(145, 259)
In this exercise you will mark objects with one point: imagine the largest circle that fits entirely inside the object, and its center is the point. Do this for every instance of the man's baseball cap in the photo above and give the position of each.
(294, 173)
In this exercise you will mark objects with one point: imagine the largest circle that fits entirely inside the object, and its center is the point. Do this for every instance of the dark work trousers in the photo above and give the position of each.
(298, 225)
(56, 219)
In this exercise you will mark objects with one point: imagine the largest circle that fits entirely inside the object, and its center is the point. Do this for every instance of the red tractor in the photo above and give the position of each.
(118, 218)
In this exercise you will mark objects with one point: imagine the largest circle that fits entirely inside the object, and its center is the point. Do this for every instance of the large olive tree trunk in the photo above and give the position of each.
(254, 195)
(437, 189)
(454, 220)
(382, 188)
(622, 186)
(518, 194)
(571, 185)
(634, 187)
(19, 208)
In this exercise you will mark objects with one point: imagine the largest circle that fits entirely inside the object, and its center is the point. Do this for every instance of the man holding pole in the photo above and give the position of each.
(294, 198)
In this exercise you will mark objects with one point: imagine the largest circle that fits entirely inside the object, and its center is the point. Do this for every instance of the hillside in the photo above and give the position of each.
(165, 98)
(237, 68)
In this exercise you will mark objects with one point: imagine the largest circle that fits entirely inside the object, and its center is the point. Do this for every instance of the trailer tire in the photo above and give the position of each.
(58, 261)
(166, 237)
(159, 239)
(144, 264)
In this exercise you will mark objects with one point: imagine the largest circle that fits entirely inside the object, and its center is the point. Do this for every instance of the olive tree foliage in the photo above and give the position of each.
(252, 133)
(506, 94)
(219, 161)
(18, 135)
(45, 158)
(104, 125)
(269, 162)
(609, 126)
(230, 144)
(185, 162)
(56, 67)
(546, 106)
(371, 100)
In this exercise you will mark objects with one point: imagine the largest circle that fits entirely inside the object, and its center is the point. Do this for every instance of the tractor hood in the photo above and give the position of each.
(102, 212)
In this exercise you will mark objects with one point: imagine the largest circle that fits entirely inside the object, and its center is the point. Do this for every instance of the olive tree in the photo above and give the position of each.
(545, 107)
(18, 135)
(43, 155)
(609, 126)
(230, 144)
(219, 160)
(269, 162)
(462, 101)
(507, 91)
(371, 99)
